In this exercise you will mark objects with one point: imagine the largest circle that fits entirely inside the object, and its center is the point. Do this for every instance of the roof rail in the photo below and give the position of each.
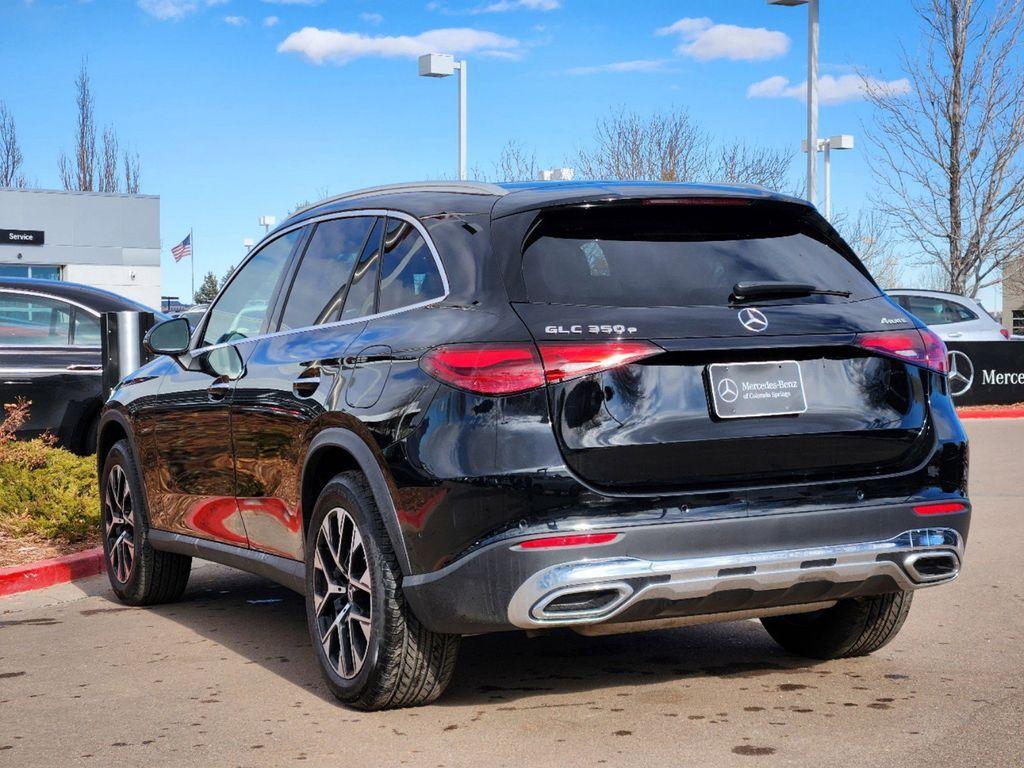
(458, 187)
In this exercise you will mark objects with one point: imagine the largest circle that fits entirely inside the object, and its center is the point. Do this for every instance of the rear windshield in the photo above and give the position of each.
(683, 255)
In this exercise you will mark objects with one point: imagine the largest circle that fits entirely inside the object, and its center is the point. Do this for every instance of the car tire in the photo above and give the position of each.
(852, 627)
(373, 652)
(139, 574)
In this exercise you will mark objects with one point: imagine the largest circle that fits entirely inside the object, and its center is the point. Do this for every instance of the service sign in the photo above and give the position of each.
(21, 237)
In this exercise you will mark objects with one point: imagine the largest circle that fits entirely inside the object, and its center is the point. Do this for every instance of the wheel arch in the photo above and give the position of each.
(113, 426)
(337, 450)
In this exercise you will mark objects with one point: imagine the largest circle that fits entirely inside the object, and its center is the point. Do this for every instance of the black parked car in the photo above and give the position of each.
(50, 354)
(447, 409)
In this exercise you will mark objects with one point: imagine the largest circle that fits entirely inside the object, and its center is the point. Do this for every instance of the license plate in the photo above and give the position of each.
(744, 390)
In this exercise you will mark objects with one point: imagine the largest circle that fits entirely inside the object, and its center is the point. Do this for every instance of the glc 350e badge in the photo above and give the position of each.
(753, 319)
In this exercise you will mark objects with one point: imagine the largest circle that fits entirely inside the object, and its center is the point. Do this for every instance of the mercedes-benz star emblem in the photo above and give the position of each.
(961, 373)
(753, 319)
(728, 391)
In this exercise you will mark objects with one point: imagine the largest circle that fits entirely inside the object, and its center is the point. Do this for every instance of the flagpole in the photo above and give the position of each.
(192, 258)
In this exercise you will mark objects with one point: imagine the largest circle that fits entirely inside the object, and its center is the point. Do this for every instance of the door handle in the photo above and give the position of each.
(956, 335)
(306, 386)
(218, 390)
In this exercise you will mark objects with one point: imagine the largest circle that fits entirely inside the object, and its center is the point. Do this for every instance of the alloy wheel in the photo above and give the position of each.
(119, 524)
(342, 588)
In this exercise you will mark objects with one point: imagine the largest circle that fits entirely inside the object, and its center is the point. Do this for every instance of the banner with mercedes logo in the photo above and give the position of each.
(986, 372)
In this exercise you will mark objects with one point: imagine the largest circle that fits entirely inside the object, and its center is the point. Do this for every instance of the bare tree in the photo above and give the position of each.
(661, 147)
(78, 173)
(10, 153)
(131, 172)
(871, 237)
(109, 181)
(516, 163)
(739, 163)
(948, 155)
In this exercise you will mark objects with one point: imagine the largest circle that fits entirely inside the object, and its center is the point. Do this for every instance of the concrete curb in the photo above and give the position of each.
(992, 413)
(46, 573)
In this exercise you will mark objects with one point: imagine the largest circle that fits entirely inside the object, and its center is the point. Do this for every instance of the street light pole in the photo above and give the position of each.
(812, 89)
(443, 65)
(461, 66)
(825, 146)
(812, 98)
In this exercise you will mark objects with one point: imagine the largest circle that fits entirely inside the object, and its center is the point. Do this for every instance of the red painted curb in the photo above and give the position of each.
(46, 573)
(992, 413)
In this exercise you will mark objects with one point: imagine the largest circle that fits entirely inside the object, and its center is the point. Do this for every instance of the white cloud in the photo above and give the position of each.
(371, 18)
(270, 21)
(320, 45)
(831, 90)
(236, 21)
(501, 6)
(293, 2)
(637, 65)
(168, 10)
(216, 2)
(704, 40)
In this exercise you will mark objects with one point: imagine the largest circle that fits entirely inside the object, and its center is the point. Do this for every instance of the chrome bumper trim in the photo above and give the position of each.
(635, 579)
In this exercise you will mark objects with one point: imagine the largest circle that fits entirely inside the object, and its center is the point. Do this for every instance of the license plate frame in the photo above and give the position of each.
(756, 389)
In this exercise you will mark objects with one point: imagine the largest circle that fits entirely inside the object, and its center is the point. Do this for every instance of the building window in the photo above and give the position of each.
(1018, 322)
(39, 272)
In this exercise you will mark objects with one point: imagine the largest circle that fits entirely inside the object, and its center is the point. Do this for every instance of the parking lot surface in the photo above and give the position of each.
(226, 677)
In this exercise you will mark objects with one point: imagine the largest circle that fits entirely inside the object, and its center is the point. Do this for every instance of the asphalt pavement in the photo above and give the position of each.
(227, 678)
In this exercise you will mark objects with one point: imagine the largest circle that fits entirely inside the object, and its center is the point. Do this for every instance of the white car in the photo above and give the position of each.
(951, 316)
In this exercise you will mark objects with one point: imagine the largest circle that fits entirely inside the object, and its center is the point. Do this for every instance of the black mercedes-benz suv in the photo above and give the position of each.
(446, 409)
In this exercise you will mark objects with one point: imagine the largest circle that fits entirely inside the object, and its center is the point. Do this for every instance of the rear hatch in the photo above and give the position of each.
(719, 388)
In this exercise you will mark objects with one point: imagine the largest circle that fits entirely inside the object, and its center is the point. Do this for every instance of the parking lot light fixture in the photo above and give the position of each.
(443, 65)
(267, 222)
(812, 87)
(825, 146)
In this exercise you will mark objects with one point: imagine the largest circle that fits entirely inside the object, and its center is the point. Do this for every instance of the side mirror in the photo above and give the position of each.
(171, 337)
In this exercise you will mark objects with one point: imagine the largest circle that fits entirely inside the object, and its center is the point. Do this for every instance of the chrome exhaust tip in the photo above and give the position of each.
(932, 566)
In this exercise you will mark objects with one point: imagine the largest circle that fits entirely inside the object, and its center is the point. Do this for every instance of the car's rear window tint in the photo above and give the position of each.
(683, 255)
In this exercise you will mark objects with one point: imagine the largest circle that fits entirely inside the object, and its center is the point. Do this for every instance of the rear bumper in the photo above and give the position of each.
(720, 568)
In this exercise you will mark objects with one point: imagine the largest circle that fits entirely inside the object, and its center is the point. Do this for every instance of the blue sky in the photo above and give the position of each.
(246, 107)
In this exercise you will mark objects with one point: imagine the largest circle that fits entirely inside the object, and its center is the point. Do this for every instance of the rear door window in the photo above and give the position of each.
(935, 311)
(362, 294)
(683, 255)
(319, 287)
(34, 321)
(408, 272)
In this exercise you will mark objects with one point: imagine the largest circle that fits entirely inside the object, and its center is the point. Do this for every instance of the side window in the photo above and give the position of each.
(34, 321)
(935, 311)
(363, 291)
(408, 272)
(323, 275)
(86, 330)
(241, 309)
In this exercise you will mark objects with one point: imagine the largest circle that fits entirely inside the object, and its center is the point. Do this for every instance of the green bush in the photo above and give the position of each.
(48, 492)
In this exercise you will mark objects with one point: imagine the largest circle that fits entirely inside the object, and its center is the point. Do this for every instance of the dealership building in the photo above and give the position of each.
(110, 241)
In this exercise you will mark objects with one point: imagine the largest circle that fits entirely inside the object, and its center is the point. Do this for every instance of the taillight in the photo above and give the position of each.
(488, 369)
(505, 369)
(568, 360)
(1004, 333)
(919, 346)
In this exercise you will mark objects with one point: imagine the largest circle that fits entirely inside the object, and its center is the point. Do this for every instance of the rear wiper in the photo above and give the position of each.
(774, 288)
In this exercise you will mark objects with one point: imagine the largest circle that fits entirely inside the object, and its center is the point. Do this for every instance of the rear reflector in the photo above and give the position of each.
(567, 360)
(506, 369)
(940, 508)
(918, 346)
(574, 540)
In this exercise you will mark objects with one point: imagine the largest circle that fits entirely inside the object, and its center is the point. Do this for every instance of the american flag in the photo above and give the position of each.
(182, 249)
